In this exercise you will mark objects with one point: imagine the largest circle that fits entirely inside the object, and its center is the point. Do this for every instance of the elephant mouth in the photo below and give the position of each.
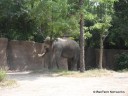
(45, 51)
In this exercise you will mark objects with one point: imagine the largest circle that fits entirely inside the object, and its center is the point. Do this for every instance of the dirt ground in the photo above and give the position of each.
(54, 85)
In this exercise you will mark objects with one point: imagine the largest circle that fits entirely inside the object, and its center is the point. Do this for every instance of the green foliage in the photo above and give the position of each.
(103, 18)
(36, 19)
(102, 27)
(119, 29)
(55, 18)
(15, 21)
(122, 61)
(87, 35)
(2, 75)
(98, 18)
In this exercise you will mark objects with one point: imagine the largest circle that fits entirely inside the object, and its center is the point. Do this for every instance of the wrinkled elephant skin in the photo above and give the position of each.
(66, 48)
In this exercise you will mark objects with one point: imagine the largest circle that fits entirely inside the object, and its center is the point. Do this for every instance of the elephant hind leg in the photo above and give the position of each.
(74, 63)
(69, 64)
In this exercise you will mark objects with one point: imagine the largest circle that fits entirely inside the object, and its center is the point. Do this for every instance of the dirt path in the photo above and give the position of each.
(43, 85)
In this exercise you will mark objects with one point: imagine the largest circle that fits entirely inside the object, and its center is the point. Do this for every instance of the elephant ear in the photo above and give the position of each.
(55, 39)
(47, 39)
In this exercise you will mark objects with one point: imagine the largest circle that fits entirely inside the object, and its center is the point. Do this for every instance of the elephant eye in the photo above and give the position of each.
(45, 46)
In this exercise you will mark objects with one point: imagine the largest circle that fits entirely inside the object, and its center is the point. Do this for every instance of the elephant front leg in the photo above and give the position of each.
(55, 59)
(58, 58)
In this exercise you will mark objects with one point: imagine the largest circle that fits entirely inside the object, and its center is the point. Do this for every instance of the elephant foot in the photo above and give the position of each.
(73, 69)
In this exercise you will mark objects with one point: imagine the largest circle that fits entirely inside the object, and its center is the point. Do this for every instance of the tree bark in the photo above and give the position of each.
(101, 53)
(82, 60)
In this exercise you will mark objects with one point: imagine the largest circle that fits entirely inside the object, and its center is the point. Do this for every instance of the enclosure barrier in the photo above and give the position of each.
(23, 55)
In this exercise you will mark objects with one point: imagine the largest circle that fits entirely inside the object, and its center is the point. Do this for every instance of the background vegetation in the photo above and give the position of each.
(35, 19)
(122, 61)
(105, 21)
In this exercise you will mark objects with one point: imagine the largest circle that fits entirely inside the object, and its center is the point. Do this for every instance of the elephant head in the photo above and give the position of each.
(47, 45)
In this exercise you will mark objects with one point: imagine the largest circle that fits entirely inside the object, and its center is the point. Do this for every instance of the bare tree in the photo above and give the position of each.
(82, 60)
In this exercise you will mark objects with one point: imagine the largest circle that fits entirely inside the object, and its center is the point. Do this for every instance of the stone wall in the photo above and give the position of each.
(90, 58)
(23, 55)
(109, 57)
(3, 54)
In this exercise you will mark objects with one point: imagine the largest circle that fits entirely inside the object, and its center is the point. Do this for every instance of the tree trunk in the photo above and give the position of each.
(101, 53)
(82, 62)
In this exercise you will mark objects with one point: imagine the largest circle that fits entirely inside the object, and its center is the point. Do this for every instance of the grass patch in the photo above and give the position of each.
(2, 75)
(4, 82)
(123, 71)
(7, 83)
(96, 73)
(88, 73)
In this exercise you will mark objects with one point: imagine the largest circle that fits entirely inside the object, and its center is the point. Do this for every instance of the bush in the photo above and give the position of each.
(122, 61)
(2, 75)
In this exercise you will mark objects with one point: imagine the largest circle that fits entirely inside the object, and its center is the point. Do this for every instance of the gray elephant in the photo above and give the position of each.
(63, 47)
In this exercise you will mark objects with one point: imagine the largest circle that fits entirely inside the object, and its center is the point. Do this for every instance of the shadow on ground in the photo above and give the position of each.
(30, 75)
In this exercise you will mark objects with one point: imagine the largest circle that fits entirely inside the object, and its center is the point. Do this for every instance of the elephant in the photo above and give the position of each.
(63, 47)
